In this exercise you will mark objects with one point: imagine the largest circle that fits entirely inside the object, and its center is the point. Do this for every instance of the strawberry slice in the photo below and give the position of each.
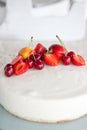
(51, 59)
(17, 59)
(40, 49)
(78, 60)
(20, 68)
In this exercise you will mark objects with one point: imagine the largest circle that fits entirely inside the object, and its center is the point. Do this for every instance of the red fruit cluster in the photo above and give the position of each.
(40, 56)
(71, 57)
(20, 64)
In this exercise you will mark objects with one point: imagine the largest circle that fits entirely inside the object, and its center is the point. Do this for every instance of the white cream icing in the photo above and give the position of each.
(52, 94)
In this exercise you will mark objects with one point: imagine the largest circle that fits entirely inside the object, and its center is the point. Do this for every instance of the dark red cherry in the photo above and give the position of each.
(8, 70)
(30, 63)
(66, 60)
(39, 65)
(35, 57)
(71, 54)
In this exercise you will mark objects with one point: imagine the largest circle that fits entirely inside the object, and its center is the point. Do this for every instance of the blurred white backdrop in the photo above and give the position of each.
(85, 1)
(19, 22)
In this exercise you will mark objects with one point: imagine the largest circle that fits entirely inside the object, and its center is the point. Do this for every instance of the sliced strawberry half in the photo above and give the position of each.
(17, 59)
(51, 59)
(40, 49)
(78, 60)
(20, 68)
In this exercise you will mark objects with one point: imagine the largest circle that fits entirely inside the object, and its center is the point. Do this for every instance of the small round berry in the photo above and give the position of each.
(66, 60)
(71, 54)
(39, 65)
(30, 63)
(8, 70)
(35, 57)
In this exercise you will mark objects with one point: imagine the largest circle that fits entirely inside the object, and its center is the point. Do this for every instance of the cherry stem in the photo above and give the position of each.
(31, 39)
(49, 51)
(31, 44)
(61, 42)
(34, 57)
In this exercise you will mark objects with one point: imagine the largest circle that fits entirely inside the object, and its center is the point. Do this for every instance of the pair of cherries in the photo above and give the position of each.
(67, 59)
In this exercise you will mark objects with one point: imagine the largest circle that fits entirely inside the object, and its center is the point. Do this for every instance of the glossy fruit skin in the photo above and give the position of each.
(8, 70)
(40, 49)
(20, 68)
(35, 57)
(71, 54)
(17, 59)
(78, 60)
(66, 60)
(30, 63)
(39, 65)
(57, 49)
(51, 59)
(25, 52)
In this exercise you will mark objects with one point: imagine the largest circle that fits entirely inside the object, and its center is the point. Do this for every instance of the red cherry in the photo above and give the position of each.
(39, 65)
(71, 54)
(57, 49)
(35, 57)
(8, 70)
(30, 63)
(66, 60)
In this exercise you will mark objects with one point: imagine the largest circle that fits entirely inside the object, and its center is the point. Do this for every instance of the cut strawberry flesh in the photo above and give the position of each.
(51, 59)
(40, 49)
(20, 68)
(78, 60)
(17, 59)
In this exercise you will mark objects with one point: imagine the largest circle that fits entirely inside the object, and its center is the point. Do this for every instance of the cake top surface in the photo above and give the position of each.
(50, 83)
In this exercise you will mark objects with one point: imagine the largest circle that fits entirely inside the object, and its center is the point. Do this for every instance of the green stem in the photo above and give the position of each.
(61, 42)
(31, 44)
(34, 57)
(31, 39)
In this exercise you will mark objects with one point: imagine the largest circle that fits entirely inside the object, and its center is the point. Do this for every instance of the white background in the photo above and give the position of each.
(85, 6)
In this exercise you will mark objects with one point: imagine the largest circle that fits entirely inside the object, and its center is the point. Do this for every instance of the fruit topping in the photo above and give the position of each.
(25, 52)
(39, 65)
(37, 57)
(51, 59)
(71, 53)
(17, 59)
(30, 63)
(40, 49)
(20, 68)
(78, 60)
(8, 70)
(57, 50)
(66, 60)
(71, 56)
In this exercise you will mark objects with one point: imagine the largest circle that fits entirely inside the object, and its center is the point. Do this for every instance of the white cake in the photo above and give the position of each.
(54, 94)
